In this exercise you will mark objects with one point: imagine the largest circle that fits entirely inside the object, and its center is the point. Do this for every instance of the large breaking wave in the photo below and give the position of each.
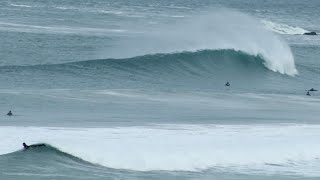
(217, 29)
(183, 70)
(214, 30)
(194, 69)
(200, 62)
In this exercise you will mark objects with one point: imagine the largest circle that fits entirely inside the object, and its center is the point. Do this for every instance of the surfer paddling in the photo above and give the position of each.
(311, 90)
(25, 146)
(9, 113)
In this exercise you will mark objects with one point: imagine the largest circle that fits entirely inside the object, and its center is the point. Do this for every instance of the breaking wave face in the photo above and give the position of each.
(220, 29)
(183, 69)
(283, 28)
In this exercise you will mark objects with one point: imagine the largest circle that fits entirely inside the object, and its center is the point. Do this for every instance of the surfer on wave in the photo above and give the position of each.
(9, 113)
(25, 146)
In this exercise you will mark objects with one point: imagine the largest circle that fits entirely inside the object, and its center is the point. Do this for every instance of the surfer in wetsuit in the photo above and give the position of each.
(25, 146)
(313, 89)
(308, 93)
(9, 113)
(227, 84)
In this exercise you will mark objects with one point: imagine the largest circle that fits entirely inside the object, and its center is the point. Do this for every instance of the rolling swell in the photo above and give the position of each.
(46, 153)
(157, 69)
(45, 162)
(51, 163)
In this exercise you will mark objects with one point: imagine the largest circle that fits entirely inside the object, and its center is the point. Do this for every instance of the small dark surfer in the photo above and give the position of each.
(25, 146)
(227, 84)
(308, 93)
(9, 113)
(313, 89)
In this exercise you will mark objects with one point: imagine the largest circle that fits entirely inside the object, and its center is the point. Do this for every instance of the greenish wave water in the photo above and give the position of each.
(136, 89)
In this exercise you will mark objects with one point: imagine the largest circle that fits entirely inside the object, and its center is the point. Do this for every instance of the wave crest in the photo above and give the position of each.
(214, 30)
(183, 69)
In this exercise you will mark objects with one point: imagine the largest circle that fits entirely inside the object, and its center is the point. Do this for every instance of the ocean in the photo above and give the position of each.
(120, 89)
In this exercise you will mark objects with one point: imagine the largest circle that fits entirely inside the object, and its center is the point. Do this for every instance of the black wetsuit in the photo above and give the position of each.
(9, 113)
(25, 146)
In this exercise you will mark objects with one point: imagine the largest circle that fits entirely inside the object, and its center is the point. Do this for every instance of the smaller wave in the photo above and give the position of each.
(57, 29)
(65, 8)
(172, 16)
(177, 7)
(21, 5)
(110, 12)
(48, 161)
(283, 28)
(48, 151)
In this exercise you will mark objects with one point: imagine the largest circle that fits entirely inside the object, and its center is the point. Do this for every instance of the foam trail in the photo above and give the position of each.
(182, 147)
(283, 28)
(218, 29)
(5, 26)
(20, 5)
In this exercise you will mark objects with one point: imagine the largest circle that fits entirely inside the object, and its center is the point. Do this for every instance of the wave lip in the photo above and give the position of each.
(214, 30)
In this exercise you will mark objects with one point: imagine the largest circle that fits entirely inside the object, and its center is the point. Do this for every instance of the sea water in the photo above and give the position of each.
(136, 89)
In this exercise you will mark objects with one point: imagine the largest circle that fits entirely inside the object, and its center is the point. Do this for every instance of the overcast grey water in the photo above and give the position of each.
(136, 89)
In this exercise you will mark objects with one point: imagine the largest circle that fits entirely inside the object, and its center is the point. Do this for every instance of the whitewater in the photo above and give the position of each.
(188, 146)
(136, 90)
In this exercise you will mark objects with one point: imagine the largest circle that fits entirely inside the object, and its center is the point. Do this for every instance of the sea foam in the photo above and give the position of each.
(245, 148)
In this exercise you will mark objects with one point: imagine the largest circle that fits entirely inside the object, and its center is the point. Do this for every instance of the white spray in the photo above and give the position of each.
(217, 29)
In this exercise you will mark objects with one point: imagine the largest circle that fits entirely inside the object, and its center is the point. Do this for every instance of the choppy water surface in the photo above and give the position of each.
(136, 89)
